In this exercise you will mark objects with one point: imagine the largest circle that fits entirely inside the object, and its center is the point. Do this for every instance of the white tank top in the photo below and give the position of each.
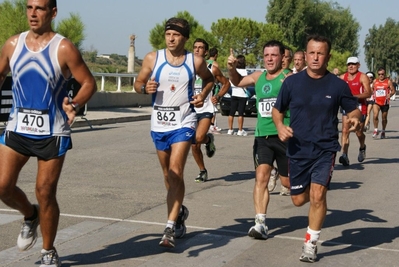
(171, 103)
(208, 105)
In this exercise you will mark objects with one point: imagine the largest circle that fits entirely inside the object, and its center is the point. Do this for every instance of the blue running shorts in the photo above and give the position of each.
(164, 140)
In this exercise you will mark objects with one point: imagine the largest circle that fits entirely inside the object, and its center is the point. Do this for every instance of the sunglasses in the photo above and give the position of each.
(349, 64)
(381, 74)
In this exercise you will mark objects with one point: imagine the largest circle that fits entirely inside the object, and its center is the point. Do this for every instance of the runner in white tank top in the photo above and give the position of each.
(169, 76)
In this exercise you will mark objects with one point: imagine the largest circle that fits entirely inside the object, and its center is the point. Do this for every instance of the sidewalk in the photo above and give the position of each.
(113, 115)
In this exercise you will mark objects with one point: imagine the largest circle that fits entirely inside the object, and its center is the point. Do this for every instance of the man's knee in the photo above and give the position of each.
(46, 192)
(299, 200)
(200, 138)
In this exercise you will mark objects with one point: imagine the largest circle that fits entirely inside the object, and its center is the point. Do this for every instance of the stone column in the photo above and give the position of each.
(131, 55)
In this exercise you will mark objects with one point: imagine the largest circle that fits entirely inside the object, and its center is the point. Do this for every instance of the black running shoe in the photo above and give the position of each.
(180, 225)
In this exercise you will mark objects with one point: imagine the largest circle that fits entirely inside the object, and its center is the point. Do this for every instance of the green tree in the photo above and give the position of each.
(73, 29)
(338, 60)
(157, 34)
(382, 46)
(245, 37)
(13, 21)
(299, 18)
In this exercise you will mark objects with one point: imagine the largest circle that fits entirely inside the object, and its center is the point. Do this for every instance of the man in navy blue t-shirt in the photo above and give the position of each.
(313, 97)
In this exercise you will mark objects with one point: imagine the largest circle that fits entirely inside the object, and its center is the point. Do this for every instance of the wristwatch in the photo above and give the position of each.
(75, 106)
(143, 91)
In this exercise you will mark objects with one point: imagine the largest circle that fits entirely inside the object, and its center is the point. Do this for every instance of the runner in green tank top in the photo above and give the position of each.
(267, 146)
(266, 95)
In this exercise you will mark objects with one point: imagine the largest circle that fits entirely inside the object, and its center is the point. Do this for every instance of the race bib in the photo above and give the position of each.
(166, 118)
(380, 93)
(31, 121)
(265, 107)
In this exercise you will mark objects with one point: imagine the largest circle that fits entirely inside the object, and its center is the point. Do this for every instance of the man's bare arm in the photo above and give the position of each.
(207, 81)
(144, 75)
(5, 54)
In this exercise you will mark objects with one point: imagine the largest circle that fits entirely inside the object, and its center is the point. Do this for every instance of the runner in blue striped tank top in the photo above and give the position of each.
(41, 62)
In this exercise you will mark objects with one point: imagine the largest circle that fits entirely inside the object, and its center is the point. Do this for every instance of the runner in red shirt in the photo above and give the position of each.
(359, 84)
(383, 91)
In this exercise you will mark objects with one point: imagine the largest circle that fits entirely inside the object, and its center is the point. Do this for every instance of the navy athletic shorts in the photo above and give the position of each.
(306, 171)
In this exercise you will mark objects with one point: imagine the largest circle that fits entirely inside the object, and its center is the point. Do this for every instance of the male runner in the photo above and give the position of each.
(169, 75)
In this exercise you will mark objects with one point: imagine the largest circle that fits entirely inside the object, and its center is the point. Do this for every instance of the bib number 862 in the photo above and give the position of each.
(166, 116)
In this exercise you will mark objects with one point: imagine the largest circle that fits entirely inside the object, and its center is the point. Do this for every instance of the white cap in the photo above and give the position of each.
(352, 60)
(370, 74)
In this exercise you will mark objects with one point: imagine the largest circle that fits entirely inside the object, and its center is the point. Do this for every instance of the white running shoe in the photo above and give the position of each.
(242, 133)
(230, 132)
(273, 180)
(258, 231)
(28, 235)
(309, 252)
(285, 191)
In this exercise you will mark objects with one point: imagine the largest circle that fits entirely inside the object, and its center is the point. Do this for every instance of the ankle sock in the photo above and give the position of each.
(312, 235)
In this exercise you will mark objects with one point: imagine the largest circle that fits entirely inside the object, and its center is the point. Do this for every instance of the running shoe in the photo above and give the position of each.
(362, 154)
(242, 133)
(202, 176)
(50, 258)
(181, 228)
(382, 135)
(213, 130)
(309, 252)
(273, 180)
(210, 147)
(217, 129)
(285, 191)
(28, 235)
(258, 231)
(375, 133)
(168, 238)
(230, 132)
(367, 128)
(344, 160)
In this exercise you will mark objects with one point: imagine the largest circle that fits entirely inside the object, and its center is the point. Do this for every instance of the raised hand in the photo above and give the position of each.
(231, 60)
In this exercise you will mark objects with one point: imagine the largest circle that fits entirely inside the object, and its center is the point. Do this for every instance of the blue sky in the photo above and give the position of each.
(109, 24)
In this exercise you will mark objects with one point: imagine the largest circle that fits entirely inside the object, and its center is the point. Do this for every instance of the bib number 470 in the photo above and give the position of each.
(33, 120)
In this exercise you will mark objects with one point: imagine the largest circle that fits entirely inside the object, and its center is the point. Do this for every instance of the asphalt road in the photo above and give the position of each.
(112, 200)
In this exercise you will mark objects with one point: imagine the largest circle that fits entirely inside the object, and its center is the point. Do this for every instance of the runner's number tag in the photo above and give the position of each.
(166, 117)
(31, 121)
(265, 106)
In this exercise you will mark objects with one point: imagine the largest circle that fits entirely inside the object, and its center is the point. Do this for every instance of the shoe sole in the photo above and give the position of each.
(306, 259)
(255, 234)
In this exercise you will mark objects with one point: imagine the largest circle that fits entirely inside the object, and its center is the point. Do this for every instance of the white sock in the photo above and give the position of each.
(312, 235)
(171, 224)
(260, 218)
